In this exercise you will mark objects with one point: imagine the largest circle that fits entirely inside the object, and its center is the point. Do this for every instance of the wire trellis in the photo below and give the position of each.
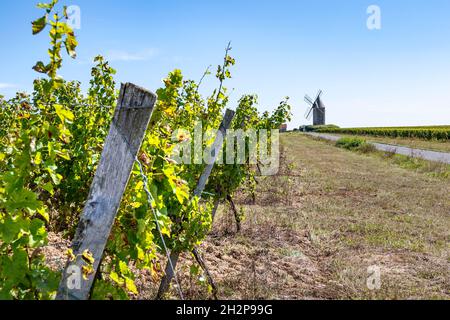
(150, 200)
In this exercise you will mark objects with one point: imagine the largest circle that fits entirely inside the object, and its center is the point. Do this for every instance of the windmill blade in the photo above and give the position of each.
(308, 113)
(309, 100)
(319, 94)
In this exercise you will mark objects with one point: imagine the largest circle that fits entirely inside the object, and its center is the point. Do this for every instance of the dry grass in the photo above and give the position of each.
(327, 217)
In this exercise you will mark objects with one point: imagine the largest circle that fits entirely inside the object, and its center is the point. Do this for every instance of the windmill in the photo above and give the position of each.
(316, 109)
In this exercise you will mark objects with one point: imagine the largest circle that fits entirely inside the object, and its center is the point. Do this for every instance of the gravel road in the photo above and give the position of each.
(416, 153)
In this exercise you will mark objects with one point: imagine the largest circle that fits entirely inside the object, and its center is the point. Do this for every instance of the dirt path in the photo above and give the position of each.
(416, 153)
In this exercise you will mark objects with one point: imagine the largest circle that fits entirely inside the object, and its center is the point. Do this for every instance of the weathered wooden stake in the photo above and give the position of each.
(131, 118)
(235, 212)
(215, 151)
(198, 257)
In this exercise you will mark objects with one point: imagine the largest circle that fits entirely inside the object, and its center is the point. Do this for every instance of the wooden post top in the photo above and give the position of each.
(135, 97)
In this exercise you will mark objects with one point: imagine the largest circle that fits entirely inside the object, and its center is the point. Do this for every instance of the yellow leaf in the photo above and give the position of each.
(63, 154)
(115, 277)
(123, 268)
(63, 113)
(24, 116)
(88, 257)
(139, 186)
(141, 253)
(131, 286)
(165, 231)
(153, 140)
(38, 159)
(44, 214)
(170, 111)
(87, 271)
(135, 205)
(70, 255)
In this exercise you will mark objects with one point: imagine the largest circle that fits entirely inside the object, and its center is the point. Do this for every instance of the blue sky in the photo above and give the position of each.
(399, 75)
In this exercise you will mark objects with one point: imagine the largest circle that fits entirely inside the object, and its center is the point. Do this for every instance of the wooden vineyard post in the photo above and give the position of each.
(202, 264)
(215, 151)
(235, 212)
(216, 147)
(130, 122)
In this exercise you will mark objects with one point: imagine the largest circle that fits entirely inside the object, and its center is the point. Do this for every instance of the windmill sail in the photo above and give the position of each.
(308, 113)
(309, 100)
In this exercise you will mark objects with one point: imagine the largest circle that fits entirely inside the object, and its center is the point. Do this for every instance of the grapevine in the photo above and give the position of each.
(51, 143)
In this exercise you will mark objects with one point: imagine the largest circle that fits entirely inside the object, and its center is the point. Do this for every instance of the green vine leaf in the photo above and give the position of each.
(41, 68)
(64, 113)
(23, 199)
(71, 43)
(39, 25)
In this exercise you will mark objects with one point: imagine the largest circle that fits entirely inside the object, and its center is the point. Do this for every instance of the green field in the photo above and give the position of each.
(424, 133)
(415, 143)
